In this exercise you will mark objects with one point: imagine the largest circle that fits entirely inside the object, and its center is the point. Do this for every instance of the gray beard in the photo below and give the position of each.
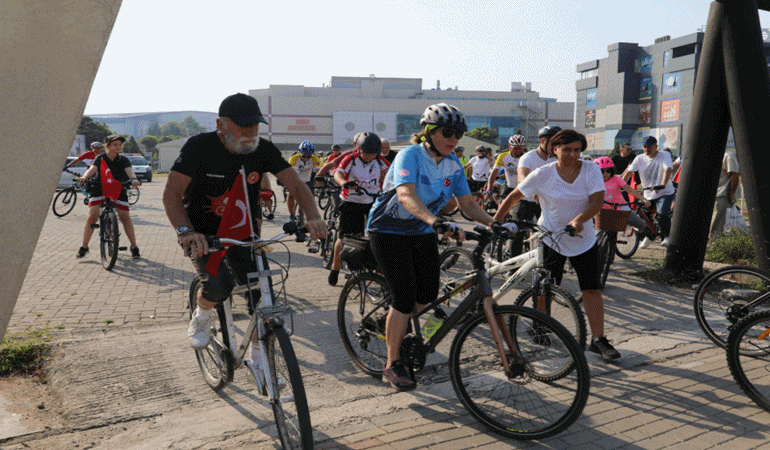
(239, 147)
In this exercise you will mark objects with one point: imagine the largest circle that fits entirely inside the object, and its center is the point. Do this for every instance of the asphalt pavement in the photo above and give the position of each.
(124, 376)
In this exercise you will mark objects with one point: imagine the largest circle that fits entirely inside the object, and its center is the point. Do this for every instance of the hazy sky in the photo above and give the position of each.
(188, 55)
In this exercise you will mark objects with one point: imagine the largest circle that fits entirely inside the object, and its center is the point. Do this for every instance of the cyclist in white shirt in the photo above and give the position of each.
(480, 166)
(509, 162)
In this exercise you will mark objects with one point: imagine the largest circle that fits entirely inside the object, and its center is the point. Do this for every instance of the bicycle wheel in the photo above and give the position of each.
(323, 198)
(726, 296)
(215, 360)
(328, 248)
(606, 251)
(520, 405)
(563, 307)
(627, 242)
(64, 202)
(133, 196)
(292, 416)
(748, 356)
(361, 313)
(455, 263)
(109, 239)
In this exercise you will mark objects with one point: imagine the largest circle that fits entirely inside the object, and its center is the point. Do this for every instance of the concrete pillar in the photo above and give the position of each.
(49, 54)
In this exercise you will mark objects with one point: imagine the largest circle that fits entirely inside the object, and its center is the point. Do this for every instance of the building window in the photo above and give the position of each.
(684, 50)
(589, 74)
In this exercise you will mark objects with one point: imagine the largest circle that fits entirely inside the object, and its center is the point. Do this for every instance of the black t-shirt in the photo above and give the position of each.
(622, 162)
(117, 166)
(213, 170)
(390, 156)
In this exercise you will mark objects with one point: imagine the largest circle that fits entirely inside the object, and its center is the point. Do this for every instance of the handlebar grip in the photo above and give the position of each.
(571, 230)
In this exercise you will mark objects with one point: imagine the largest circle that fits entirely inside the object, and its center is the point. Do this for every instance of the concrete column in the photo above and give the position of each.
(49, 54)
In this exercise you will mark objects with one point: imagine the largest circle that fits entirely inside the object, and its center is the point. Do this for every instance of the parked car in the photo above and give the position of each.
(142, 170)
(66, 179)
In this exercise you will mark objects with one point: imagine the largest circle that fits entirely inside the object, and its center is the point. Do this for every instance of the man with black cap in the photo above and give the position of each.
(198, 184)
(121, 170)
(655, 169)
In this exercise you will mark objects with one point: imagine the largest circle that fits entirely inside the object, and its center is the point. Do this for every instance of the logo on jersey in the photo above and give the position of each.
(218, 203)
(252, 178)
(403, 173)
(447, 182)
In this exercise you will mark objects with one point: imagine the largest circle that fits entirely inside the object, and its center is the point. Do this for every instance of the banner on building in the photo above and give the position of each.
(669, 111)
(672, 83)
(645, 88)
(591, 118)
(645, 109)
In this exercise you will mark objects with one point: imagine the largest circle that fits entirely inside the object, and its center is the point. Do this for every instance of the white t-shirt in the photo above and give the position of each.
(480, 167)
(561, 202)
(510, 164)
(532, 160)
(651, 172)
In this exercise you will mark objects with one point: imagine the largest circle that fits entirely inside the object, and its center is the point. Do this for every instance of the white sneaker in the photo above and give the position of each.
(199, 331)
(665, 242)
(646, 242)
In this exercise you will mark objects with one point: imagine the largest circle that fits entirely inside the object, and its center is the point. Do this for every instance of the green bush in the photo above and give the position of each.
(737, 247)
(24, 353)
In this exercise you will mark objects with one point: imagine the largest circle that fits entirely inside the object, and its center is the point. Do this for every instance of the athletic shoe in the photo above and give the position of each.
(82, 252)
(270, 216)
(399, 377)
(602, 346)
(135, 252)
(646, 242)
(333, 277)
(199, 331)
(665, 242)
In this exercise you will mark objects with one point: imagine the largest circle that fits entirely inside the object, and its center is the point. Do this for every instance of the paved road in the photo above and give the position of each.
(126, 378)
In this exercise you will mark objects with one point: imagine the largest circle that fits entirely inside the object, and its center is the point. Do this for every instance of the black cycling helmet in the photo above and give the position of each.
(369, 142)
(336, 147)
(444, 115)
(548, 131)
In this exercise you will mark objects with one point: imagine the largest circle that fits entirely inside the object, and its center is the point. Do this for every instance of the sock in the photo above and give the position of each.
(255, 355)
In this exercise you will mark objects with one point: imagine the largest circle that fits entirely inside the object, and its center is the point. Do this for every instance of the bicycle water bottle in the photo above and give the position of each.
(432, 324)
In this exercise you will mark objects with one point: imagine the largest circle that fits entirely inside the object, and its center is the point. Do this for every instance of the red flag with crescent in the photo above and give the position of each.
(236, 220)
(110, 186)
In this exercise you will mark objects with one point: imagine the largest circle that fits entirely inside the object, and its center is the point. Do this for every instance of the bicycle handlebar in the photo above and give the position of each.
(358, 189)
(217, 243)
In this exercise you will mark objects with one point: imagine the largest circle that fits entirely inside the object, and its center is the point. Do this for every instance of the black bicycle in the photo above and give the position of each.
(748, 356)
(515, 369)
(65, 200)
(109, 235)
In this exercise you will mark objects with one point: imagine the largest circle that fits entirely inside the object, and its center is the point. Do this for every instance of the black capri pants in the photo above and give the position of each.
(353, 217)
(586, 266)
(410, 264)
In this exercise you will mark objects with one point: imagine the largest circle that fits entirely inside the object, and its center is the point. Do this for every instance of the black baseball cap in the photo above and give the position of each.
(114, 137)
(242, 109)
(650, 141)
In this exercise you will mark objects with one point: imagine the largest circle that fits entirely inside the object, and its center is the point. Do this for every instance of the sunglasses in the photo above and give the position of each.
(448, 133)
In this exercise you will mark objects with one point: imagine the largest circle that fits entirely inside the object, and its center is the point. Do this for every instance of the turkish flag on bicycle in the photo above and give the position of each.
(236, 219)
(111, 187)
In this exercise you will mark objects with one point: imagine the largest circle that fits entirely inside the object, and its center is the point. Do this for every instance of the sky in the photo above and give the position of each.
(189, 55)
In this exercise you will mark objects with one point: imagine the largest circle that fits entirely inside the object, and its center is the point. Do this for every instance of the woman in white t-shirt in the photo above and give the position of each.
(571, 192)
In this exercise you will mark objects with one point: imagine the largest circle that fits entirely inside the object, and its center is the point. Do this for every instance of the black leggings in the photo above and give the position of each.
(410, 265)
(586, 267)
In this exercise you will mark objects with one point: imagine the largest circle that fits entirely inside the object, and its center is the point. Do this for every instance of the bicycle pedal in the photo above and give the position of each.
(312, 250)
(123, 249)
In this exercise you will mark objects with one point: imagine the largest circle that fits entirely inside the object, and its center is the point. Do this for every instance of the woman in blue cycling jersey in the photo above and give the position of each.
(422, 179)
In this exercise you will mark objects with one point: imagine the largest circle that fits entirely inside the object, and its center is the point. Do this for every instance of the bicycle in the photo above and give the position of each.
(748, 356)
(109, 234)
(331, 214)
(518, 387)
(65, 200)
(609, 222)
(268, 195)
(223, 355)
(457, 263)
(726, 296)
(628, 241)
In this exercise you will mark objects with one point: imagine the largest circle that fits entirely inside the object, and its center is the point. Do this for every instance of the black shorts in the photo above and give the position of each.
(586, 266)
(476, 186)
(353, 217)
(217, 288)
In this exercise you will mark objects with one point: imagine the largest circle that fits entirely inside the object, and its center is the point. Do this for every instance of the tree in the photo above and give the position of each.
(130, 146)
(485, 134)
(149, 142)
(93, 131)
(191, 126)
(172, 128)
(154, 130)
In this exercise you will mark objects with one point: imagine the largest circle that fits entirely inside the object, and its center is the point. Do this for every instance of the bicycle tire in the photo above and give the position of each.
(215, 360)
(361, 312)
(523, 406)
(627, 242)
(454, 263)
(748, 356)
(274, 203)
(606, 251)
(133, 195)
(567, 310)
(291, 412)
(64, 202)
(323, 198)
(725, 296)
(329, 241)
(109, 239)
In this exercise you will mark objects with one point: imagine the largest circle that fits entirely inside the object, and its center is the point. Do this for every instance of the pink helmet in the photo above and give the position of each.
(604, 162)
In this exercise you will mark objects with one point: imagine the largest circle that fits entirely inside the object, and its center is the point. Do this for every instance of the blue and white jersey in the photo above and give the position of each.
(436, 184)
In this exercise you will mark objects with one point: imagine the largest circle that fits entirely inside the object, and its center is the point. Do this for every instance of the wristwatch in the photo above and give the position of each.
(182, 229)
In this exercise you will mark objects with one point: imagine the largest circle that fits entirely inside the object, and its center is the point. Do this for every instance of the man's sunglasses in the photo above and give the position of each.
(448, 133)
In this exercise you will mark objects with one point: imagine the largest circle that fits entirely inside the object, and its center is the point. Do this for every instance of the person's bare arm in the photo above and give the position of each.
(474, 210)
(299, 190)
(734, 182)
(595, 202)
(521, 173)
(512, 198)
(193, 243)
(134, 181)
